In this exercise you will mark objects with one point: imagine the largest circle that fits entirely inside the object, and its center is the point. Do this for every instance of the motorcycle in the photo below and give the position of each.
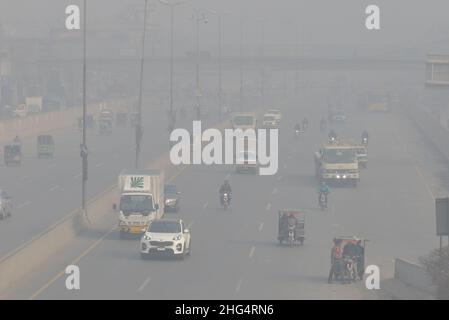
(332, 140)
(297, 134)
(291, 234)
(225, 200)
(323, 201)
(365, 140)
(350, 270)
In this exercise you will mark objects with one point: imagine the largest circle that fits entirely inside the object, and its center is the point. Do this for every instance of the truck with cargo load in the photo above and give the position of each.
(141, 199)
(337, 163)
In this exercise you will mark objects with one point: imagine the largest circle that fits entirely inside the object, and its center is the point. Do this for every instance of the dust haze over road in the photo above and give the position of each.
(313, 60)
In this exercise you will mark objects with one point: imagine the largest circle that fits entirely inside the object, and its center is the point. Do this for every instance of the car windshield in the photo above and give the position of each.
(339, 155)
(244, 120)
(274, 111)
(136, 203)
(161, 226)
(361, 151)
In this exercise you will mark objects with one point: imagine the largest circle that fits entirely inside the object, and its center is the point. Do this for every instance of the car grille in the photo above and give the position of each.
(161, 243)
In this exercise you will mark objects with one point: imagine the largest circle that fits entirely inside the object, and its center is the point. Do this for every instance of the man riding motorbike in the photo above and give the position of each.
(225, 188)
(365, 137)
(350, 252)
(323, 190)
(332, 136)
(297, 129)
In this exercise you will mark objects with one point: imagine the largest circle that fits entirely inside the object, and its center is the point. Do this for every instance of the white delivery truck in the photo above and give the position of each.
(141, 199)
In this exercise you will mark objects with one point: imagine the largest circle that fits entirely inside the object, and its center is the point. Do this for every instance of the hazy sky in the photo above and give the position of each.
(408, 22)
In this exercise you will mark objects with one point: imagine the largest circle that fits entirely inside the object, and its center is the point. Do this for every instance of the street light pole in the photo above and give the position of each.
(241, 65)
(83, 146)
(220, 66)
(139, 130)
(172, 6)
(198, 19)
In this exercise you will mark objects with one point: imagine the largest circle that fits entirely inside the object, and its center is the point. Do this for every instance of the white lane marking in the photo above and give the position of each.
(268, 207)
(239, 285)
(144, 284)
(24, 204)
(54, 188)
(205, 205)
(251, 252)
(98, 165)
(275, 190)
(261, 226)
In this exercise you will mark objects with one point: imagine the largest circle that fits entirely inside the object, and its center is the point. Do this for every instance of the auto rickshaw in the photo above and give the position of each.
(13, 154)
(291, 227)
(45, 146)
(352, 265)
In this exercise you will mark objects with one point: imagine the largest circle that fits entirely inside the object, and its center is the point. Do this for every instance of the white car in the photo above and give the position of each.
(276, 113)
(165, 236)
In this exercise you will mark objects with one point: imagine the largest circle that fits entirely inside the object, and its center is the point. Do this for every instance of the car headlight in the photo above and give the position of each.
(146, 237)
(170, 201)
(177, 237)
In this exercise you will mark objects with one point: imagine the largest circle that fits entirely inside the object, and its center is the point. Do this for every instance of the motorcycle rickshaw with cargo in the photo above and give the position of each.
(291, 227)
(351, 267)
(13, 154)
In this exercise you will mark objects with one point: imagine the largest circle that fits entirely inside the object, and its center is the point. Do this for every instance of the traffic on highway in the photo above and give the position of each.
(158, 150)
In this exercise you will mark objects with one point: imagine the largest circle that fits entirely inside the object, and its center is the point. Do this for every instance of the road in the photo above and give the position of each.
(46, 190)
(235, 254)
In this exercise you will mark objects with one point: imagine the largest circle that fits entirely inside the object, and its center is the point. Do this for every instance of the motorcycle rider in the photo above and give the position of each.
(365, 136)
(225, 188)
(323, 188)
(350, 251)
(297, 128)
(332, 135)
(336, 260)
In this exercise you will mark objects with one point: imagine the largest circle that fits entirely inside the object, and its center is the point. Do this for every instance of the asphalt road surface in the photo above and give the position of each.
(235, 253)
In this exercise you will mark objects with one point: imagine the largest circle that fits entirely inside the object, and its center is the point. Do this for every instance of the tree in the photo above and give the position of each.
(436, 265)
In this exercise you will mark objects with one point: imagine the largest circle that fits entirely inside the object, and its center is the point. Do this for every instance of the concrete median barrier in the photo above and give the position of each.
(413, 275)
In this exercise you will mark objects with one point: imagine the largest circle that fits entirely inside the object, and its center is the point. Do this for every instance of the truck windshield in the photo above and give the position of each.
(339, 155)
(244, 120)
(159, 226)
(136, 203)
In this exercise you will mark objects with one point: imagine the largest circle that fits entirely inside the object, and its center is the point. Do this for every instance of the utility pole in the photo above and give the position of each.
(198, 18)
(172, 6)
(241, 65)
(139, 130)
(83, 146)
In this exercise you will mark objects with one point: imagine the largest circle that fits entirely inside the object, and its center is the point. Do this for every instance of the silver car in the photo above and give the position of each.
(5, 205)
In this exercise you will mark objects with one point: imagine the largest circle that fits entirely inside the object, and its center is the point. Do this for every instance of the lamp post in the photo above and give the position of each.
(139, 130)
(83, 145)
(220, 58)
(171, 5)
(199, 18)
